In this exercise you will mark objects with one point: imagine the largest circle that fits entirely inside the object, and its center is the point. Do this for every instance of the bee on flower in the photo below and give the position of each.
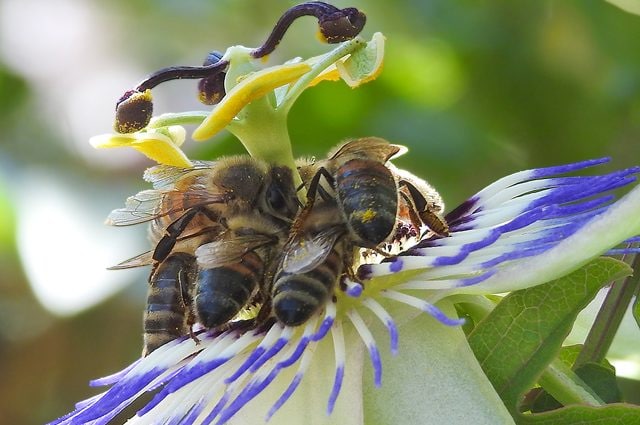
(332, 260)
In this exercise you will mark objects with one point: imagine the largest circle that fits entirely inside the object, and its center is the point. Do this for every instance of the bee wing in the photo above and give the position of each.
(306, 253)
(138, 208)
(145, 205)
(371, 147)
(143, 259)
(164, 177)
(228, 249)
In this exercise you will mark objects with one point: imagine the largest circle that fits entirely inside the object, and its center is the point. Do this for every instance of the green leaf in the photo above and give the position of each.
(611, 414)
(602, 380)
(523, 334)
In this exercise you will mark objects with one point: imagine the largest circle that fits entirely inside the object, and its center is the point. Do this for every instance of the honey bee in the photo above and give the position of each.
(314, 258)
(214, 227)
(358, 204)
(167, 314)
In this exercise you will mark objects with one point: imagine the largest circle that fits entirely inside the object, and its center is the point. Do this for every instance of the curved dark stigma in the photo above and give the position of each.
(133, 109)
(336, 25)
(182, 73)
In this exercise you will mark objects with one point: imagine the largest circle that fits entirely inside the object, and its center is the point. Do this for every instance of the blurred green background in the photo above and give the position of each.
(476, 90)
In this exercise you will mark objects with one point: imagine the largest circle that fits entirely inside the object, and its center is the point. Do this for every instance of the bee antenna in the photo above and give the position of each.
(336, 25)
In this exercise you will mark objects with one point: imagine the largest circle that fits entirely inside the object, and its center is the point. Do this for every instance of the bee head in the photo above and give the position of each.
(280, 196)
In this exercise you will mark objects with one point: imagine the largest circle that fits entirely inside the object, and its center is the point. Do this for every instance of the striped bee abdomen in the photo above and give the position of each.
(168, 302)
(368, 195)
(221, 292)
(296, 297)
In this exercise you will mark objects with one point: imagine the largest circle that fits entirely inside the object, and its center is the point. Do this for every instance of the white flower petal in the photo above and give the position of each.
(434, 379)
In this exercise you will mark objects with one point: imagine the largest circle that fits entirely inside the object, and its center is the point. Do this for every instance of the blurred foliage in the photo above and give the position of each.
(476, 90)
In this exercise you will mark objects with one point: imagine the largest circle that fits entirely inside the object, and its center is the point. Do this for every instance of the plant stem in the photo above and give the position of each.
(608, 320)
(567, 387)
(326, 61)
(182, 118)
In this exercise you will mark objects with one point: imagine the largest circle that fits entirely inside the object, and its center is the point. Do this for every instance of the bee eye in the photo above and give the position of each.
(275, 199)
(211, 89)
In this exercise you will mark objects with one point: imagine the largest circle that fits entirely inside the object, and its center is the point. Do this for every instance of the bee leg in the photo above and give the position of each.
(173, 231)
(349, 272)
(415, 219)
(427, 213)
(185, 279)
(193, 335)
(314, 189)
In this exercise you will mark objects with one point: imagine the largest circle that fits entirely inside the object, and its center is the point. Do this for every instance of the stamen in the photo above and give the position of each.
(340, 355)
(423, 305)
(370, 342)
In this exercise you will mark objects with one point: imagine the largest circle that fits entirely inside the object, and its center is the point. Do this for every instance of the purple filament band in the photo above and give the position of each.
(374, 354)
(216, 409)
(396, 265)
(537, 173)
(437, 314)
(623, 251)
(324, 328)
(254, 356)
(285, 395)
(113, 378)
(116, 397)
(244, 397)
(335, 390)
(296, 354)
(183, 378)
(193, 413)
(275, 349)
(354, 290)
(393, 335)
